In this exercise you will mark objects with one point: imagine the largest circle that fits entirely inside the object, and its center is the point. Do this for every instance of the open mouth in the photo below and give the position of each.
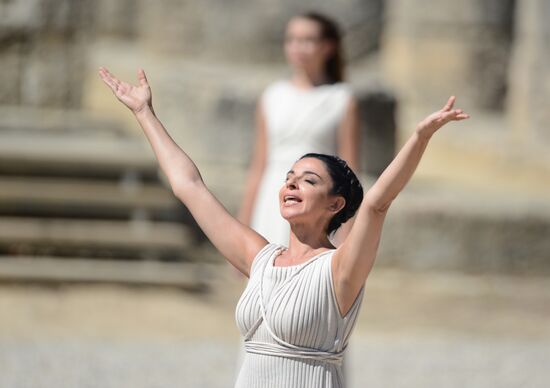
(291, 200)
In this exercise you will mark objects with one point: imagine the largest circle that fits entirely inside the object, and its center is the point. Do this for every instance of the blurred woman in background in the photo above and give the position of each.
(311, 111)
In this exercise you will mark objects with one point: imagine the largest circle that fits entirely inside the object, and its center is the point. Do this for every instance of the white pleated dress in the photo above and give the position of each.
(298, 121)
(294, 335)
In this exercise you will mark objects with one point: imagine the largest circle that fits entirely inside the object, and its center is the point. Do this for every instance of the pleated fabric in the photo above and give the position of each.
(294, 335)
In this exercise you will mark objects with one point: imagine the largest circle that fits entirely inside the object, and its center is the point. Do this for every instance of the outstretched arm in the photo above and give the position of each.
(354, 259)
(237, 242)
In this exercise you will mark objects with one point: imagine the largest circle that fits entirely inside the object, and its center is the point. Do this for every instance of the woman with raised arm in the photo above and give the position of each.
(301, 302)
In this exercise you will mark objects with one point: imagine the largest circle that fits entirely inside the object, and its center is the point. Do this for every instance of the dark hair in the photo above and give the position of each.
(334, 65)
(345, 184)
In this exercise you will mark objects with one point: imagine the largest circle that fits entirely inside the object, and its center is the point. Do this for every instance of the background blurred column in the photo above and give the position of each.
(116, 19)
(530, 73)
(432, 49)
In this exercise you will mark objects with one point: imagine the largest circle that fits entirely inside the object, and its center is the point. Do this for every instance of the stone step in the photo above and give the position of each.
(83, 202)
(39, 196)
(17, 119)
(87, 270)
(82, 155)
(447, 228)
(137, 238)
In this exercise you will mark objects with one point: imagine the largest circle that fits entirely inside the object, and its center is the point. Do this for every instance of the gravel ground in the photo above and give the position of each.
(374, 362)
(415, 330)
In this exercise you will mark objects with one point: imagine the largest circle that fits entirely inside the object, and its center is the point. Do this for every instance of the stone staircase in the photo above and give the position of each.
(78, 204)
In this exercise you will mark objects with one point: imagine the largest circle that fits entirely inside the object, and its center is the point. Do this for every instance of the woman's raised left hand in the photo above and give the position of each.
(427, 127)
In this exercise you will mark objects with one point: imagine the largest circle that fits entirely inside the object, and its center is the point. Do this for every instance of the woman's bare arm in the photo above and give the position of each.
(354, 259)
(237, 242)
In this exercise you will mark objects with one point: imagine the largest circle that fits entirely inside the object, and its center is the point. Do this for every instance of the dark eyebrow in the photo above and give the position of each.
(305, 172)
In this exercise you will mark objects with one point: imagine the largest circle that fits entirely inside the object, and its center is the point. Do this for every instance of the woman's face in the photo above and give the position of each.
(305, 49)
(305, 197)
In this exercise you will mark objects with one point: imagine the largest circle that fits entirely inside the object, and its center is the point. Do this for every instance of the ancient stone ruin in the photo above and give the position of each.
(70, 159)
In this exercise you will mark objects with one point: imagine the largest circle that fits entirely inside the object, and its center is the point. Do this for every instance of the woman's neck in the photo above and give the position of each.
(308, 79)
(304, 244)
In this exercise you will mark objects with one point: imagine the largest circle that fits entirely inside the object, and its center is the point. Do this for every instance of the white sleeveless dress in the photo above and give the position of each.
(298, 121)
(294, 335)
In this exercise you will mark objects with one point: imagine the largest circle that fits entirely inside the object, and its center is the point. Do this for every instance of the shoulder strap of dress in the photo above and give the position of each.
(263, 255)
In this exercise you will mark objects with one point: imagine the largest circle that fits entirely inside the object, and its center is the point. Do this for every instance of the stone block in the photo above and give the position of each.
(10, 76)
(378, 118)
(38, 16)
(530, 74)
(461, 46)
(232, 127)
(20, 16)
(116, 18)
(446, 14)
(439, 230)
(51, 76)
(248, 31)
(43, 51)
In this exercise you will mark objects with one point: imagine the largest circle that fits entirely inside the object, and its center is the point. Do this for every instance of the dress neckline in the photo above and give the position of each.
(310, 90)
(280, 249)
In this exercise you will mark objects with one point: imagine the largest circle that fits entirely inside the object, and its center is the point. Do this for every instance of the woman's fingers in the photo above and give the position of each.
(109, 81)
(449, 105)
(456, 114)
(450, 114)
(117, 85)
(104, 73)
(108, 76)
(142, 78)
(134, 97)
(459, 114)
(436, 120)
(107, 73)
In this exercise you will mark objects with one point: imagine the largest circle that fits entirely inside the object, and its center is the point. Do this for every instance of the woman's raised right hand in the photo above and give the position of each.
(136, 98)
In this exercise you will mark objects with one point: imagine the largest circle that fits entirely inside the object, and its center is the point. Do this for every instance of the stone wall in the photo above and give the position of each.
(435, 48)
(248, 31)
(530, 73)
(208, 61)
(42, 51)
(429, 49)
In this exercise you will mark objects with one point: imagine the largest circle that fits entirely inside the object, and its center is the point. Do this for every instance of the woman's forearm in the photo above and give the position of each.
(174, 162)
